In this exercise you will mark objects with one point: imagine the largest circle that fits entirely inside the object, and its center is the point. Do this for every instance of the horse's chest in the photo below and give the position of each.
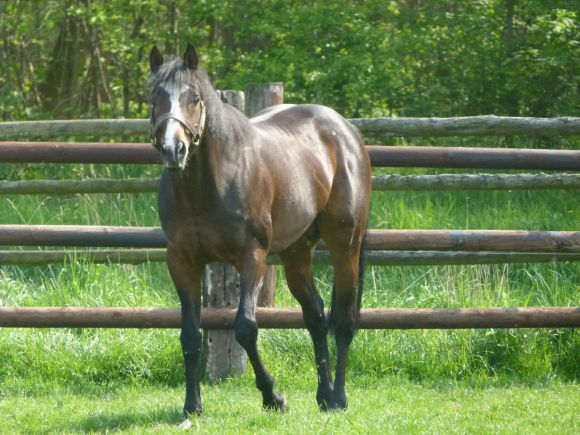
(217, 236)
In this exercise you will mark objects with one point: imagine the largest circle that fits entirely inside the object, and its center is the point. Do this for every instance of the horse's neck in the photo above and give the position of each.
(227, 131)
(218, 162)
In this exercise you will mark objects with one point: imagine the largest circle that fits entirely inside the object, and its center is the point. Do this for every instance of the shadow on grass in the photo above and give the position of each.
(34, 387)
(124, 420)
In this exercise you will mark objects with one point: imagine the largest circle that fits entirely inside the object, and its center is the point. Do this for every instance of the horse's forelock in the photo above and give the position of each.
(176, 74)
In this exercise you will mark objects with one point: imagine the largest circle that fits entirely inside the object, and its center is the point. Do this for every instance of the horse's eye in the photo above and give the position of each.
(195, 99)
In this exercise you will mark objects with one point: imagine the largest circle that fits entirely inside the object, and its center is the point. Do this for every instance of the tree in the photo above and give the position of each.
(86, 58)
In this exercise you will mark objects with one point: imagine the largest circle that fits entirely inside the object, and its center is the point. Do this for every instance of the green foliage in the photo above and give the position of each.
(404, 58)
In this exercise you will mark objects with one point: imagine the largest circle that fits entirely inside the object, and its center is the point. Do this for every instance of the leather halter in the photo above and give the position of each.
(194, 131)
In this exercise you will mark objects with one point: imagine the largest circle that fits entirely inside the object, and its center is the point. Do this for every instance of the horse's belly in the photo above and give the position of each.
(302, 194)
(283, 238)
(291, 220)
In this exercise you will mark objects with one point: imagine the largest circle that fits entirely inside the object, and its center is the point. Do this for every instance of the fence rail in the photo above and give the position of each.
(288, 318)
(381, 156)
(372, 258)
(377, 240)
(78, 152)
(486, 125)
(443, 182)
(449, 182)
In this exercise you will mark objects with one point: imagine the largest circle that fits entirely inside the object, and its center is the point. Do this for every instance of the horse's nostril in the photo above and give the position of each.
(166, 149)
(180, 147)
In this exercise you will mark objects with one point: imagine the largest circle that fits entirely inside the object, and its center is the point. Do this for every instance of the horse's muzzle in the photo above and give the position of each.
(174, 154)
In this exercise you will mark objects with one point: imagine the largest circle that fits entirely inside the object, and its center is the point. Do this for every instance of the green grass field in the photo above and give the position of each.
(387, 406)
(505, 381)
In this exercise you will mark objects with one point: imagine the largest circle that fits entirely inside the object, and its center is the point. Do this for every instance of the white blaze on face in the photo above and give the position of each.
(172, 125)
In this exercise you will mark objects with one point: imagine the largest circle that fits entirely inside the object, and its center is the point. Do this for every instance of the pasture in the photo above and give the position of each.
(418, 381)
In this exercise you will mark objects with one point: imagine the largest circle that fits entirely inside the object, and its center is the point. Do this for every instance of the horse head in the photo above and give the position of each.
(177, 108)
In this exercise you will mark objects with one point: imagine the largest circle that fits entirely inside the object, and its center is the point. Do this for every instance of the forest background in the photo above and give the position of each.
(88, 58)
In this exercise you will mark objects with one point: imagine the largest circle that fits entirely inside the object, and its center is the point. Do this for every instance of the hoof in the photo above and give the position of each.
(323, 398)
(278, 403)
(185, 424)
(336, 404)
(192, 412)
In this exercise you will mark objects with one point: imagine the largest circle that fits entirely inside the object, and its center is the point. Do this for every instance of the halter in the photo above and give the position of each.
(194, 131)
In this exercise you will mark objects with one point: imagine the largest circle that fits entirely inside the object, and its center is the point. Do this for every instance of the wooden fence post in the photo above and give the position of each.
(258, 97)
(262, 95)
(221, 288)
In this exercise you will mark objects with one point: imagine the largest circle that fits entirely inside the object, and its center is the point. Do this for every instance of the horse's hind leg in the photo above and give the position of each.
(343, 239)
(297, 260)
(252, 270)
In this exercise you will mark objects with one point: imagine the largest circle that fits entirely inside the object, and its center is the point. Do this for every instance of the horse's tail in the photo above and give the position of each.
(333, 320)
(361, 279)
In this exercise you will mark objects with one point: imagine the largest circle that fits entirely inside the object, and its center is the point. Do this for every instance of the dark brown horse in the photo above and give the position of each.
(236, 189)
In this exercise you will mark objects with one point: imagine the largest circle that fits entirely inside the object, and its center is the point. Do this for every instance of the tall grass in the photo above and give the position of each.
(104, 356)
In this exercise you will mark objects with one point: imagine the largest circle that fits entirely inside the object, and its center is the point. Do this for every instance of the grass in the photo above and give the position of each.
(388, 406)
(508, 380)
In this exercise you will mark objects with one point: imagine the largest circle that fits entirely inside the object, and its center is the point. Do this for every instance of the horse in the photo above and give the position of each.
(234, 190)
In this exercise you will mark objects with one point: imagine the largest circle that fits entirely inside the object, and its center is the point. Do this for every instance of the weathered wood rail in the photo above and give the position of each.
(372, 258)
(380, 183)
(473, 182)
(486, 125)
(381, 156)
(288, 318)
(419, 240)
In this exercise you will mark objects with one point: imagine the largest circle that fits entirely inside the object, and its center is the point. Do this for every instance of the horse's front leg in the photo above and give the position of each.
(187, 279)
(252, 269)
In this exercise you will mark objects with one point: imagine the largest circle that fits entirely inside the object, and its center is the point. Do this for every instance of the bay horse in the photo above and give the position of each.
(235, 189)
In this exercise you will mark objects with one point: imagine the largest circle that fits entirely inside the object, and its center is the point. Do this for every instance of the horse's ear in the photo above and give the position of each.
(155, 59)
(190, 57)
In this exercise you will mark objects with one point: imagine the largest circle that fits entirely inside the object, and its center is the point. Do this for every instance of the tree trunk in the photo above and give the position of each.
(59, 90)
(172, 14)
(510, 99)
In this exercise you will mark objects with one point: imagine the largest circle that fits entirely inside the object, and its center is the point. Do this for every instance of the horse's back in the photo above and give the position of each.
(325, 132)
(319, 162)
(307, 122)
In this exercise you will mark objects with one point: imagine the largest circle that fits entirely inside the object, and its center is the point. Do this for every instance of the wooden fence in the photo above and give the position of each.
(287, 318)
(385, 247)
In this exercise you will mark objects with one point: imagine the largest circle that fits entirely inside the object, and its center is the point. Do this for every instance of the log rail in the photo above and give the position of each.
(291, 318)
(443, 182)
(372, 258)
(381, 156)
(415, 240)
(485, 125)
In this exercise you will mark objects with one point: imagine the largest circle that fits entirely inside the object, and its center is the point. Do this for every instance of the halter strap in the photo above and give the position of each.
(191, 129)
